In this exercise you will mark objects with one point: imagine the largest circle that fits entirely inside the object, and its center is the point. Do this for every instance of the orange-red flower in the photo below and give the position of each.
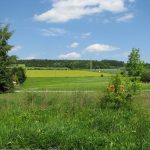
(111, 88)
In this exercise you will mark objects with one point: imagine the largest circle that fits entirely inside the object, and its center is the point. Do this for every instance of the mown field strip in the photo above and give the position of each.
(47, 91)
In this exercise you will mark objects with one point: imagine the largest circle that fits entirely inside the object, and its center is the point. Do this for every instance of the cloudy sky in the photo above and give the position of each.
(77, 29)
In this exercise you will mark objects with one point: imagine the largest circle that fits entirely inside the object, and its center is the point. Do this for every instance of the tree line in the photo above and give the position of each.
(73, 64)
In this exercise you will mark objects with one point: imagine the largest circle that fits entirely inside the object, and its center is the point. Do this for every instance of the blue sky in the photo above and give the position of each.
(77, 29)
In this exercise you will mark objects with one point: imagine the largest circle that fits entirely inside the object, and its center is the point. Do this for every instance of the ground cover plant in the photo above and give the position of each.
(71, 121)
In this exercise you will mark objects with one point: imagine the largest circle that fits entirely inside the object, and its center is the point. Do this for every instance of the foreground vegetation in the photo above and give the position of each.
(72, 121)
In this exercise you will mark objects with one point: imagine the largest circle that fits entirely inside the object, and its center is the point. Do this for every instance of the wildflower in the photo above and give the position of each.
(111, 88)
(122, 88)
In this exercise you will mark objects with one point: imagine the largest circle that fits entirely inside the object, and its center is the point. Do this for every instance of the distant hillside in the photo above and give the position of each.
(73, 64)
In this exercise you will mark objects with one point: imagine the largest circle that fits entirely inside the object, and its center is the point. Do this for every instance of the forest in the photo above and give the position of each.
(73, 64)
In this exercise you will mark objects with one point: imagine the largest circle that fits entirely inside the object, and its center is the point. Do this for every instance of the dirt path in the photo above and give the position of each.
(46, 91)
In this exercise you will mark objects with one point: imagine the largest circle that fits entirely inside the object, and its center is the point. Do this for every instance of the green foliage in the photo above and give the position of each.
(72, 64)
(13, 59)
(145, 77)
(135, 66)
(18, 75)
(69, 121)
(102, 75)
(5, 76)
(120, 92)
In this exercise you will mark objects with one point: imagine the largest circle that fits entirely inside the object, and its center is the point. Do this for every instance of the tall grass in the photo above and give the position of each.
(70, 121)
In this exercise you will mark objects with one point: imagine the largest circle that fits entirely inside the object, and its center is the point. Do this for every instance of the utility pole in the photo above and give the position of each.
(91, 65)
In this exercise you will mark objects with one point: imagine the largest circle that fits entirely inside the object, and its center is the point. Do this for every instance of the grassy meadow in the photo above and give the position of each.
(71, 120)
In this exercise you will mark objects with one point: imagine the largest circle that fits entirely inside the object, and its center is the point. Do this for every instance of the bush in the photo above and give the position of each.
(6, 84)
(102, 75)
(145, 77)
(18, 75)
(119, 92)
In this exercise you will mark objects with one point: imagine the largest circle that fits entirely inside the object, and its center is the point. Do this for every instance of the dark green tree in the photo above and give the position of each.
(135, 66)
(18, 75)
(5, 73)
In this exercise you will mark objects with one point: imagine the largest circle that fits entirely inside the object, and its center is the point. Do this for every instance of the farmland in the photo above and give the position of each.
(64, 80)
(67, 80)
(63, 73)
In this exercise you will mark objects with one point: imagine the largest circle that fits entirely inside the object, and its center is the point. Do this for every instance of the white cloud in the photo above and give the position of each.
(127, 17)
(65, 10)
(74, 45)
(101, 48)
(16, 48)
(85, 35)
(71, 56)
(53, 32)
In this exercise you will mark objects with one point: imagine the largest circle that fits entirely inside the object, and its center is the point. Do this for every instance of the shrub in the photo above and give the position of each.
(145, 77)
(119, 92)
(18, 75)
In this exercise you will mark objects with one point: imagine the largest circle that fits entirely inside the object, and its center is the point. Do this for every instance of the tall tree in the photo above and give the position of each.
(5, 75)
(135, 66)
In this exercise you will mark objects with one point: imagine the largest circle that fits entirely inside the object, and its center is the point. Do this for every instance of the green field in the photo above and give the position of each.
(67, 80)
(64, 80)
(65, 83)
(63, 73)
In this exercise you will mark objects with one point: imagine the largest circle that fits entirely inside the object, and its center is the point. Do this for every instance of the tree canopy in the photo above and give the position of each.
(135, 66)
(73, 64)
(5, 75)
